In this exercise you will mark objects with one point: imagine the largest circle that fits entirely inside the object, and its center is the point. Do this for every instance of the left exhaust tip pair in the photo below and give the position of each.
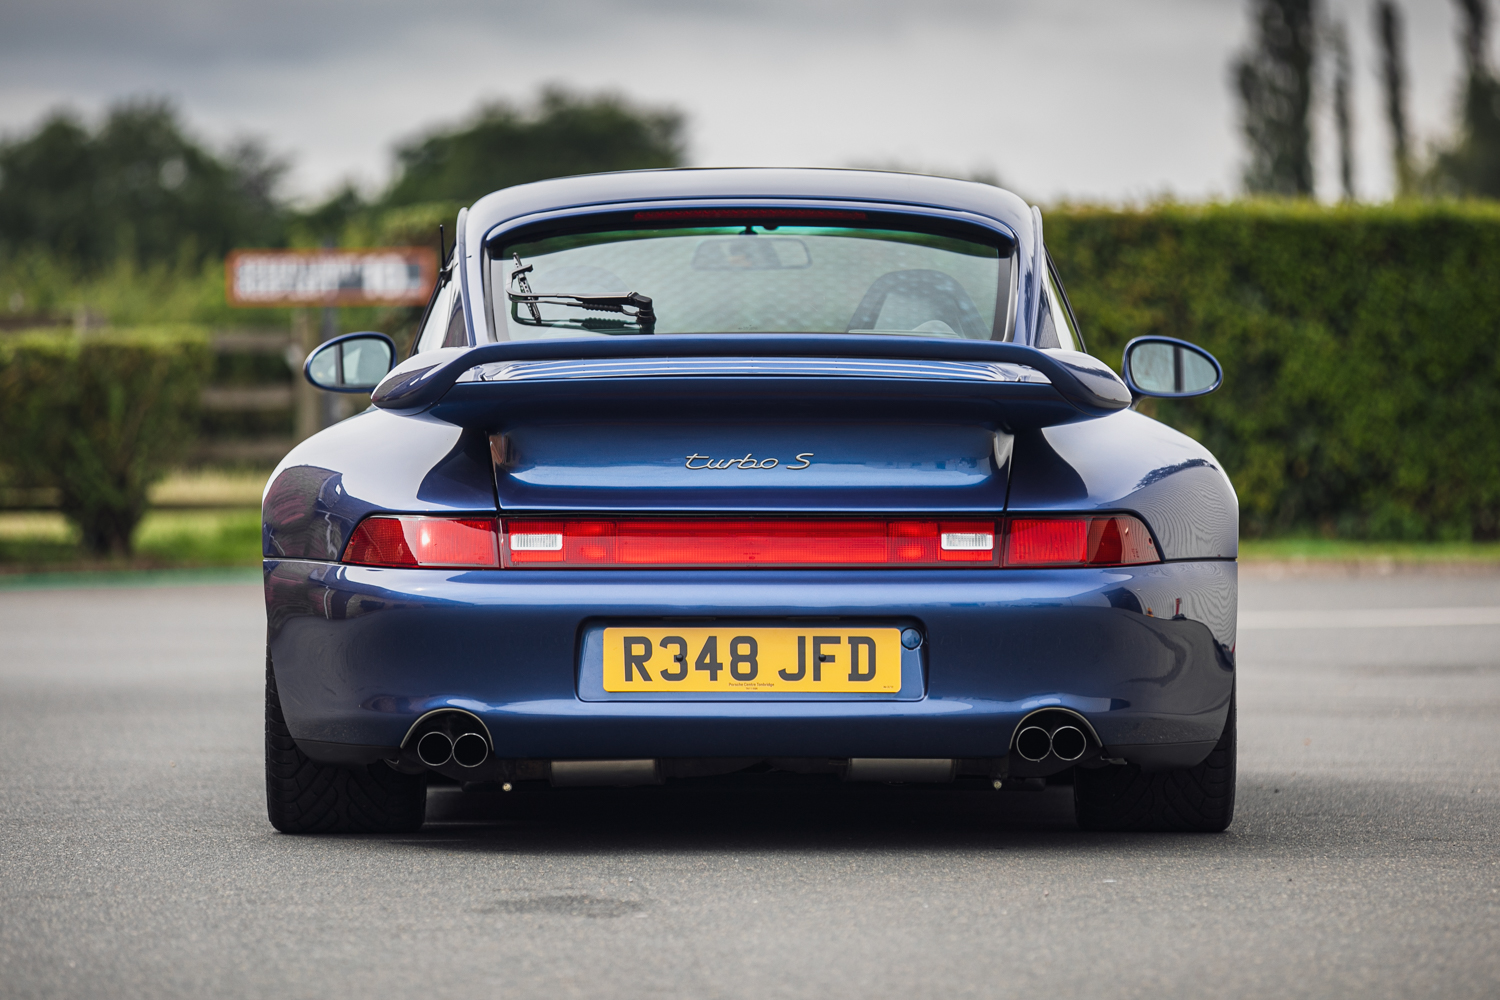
(437, 748)
(1066, 742)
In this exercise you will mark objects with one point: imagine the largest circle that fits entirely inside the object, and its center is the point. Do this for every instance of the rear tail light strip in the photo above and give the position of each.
(520, 543)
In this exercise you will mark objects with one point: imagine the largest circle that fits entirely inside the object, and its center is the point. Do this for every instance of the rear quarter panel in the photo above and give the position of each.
(373, 461)
(1127, 461)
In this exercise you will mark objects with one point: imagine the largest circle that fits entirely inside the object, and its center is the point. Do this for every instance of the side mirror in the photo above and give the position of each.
(1169, 368)
(355, 362)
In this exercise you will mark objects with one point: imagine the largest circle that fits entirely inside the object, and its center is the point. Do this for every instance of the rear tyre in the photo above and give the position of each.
(303, 796)
(1195, 799)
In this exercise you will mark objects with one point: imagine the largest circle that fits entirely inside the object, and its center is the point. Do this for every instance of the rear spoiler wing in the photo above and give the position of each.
(1077, 386)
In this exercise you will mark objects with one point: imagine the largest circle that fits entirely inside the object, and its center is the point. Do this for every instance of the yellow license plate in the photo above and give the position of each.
(753, 659)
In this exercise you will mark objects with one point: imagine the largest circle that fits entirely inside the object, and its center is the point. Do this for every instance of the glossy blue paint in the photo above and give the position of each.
(1128, 461)
(887, 424)
(361, 653)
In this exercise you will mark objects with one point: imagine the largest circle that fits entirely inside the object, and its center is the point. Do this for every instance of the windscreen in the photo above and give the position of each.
(750, 279)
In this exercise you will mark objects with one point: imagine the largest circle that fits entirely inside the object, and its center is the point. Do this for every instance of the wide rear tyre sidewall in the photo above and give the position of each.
(304, 796)
(1190, 800)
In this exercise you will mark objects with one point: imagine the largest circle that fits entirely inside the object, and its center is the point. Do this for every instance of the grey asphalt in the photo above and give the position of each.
(136, 861)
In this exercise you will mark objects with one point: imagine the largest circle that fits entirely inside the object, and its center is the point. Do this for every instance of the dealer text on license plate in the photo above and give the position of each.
(752, 659)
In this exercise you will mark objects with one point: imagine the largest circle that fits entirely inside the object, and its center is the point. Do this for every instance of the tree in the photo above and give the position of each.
(1274, 84)
(563, 133)
(1343, 115)
(137, 188)
(1470, 165)
(1389, 32)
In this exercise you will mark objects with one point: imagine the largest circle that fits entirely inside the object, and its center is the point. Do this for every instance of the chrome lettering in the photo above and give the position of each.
(749, 461)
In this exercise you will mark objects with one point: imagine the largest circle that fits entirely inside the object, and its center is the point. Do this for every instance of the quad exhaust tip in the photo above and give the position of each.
(1069, 743)
(1065, 742)
(469, 750)
(435, 749)
(1034, 743)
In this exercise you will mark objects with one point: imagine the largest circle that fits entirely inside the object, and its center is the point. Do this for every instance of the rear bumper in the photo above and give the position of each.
(1144, 653)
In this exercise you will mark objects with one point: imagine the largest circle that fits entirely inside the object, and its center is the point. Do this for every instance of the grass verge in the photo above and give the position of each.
(167, 539)
(1341, 551)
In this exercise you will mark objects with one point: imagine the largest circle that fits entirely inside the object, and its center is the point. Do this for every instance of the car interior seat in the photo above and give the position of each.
(919, 301)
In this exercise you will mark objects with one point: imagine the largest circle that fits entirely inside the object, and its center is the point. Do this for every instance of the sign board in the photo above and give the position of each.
(382, 276)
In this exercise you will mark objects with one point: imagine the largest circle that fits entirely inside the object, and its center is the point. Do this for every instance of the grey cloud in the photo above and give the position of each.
(186, 32)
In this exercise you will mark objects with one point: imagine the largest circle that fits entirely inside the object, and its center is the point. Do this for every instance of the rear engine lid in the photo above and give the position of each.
(754, 423)
(751, 463)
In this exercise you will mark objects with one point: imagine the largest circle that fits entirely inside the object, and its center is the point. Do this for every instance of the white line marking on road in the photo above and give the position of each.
(1370, 618)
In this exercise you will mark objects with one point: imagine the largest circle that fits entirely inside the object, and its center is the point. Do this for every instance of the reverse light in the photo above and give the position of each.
(414, 541)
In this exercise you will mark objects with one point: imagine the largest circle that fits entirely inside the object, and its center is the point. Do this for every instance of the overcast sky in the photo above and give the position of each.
(1084, 99)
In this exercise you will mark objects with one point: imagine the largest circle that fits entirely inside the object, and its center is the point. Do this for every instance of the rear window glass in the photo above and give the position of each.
(754, 279)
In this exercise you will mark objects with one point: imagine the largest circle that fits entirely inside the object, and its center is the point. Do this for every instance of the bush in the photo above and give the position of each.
(1361, 352)
(99, 417)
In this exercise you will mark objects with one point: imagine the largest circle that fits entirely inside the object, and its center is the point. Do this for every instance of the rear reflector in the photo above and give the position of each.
(664, 542)
(478, 543)
(1117, 540)
(423, 541)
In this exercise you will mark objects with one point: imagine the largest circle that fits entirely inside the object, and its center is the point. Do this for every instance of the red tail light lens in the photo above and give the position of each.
(748, 543)
(1049, 542)
(480, 543)
(424, 541)
(1118, 540)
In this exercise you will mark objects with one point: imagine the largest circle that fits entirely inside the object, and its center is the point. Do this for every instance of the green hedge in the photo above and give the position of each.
(1361, 396)
(99, 417)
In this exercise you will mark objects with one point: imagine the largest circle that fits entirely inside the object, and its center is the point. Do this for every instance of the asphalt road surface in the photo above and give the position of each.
(136, 861)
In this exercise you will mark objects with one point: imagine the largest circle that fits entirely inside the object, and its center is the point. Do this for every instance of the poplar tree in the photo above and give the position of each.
(1471, 164)
(1389, 33)
(1343, 114)
(1274, 83)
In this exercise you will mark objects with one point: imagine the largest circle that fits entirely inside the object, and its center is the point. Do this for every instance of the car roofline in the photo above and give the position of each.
(916, 193)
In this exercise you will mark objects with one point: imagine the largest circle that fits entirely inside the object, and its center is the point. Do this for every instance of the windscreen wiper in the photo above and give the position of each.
(633, 305)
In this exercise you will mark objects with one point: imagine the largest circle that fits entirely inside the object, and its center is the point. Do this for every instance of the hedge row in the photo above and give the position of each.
(1362, 372)
(100, 417)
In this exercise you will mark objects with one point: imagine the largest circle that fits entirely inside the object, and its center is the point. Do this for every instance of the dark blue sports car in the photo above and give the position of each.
(699, 472)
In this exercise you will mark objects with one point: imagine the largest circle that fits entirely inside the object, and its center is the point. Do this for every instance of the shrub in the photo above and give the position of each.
(1361, 352)
(99, 417)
